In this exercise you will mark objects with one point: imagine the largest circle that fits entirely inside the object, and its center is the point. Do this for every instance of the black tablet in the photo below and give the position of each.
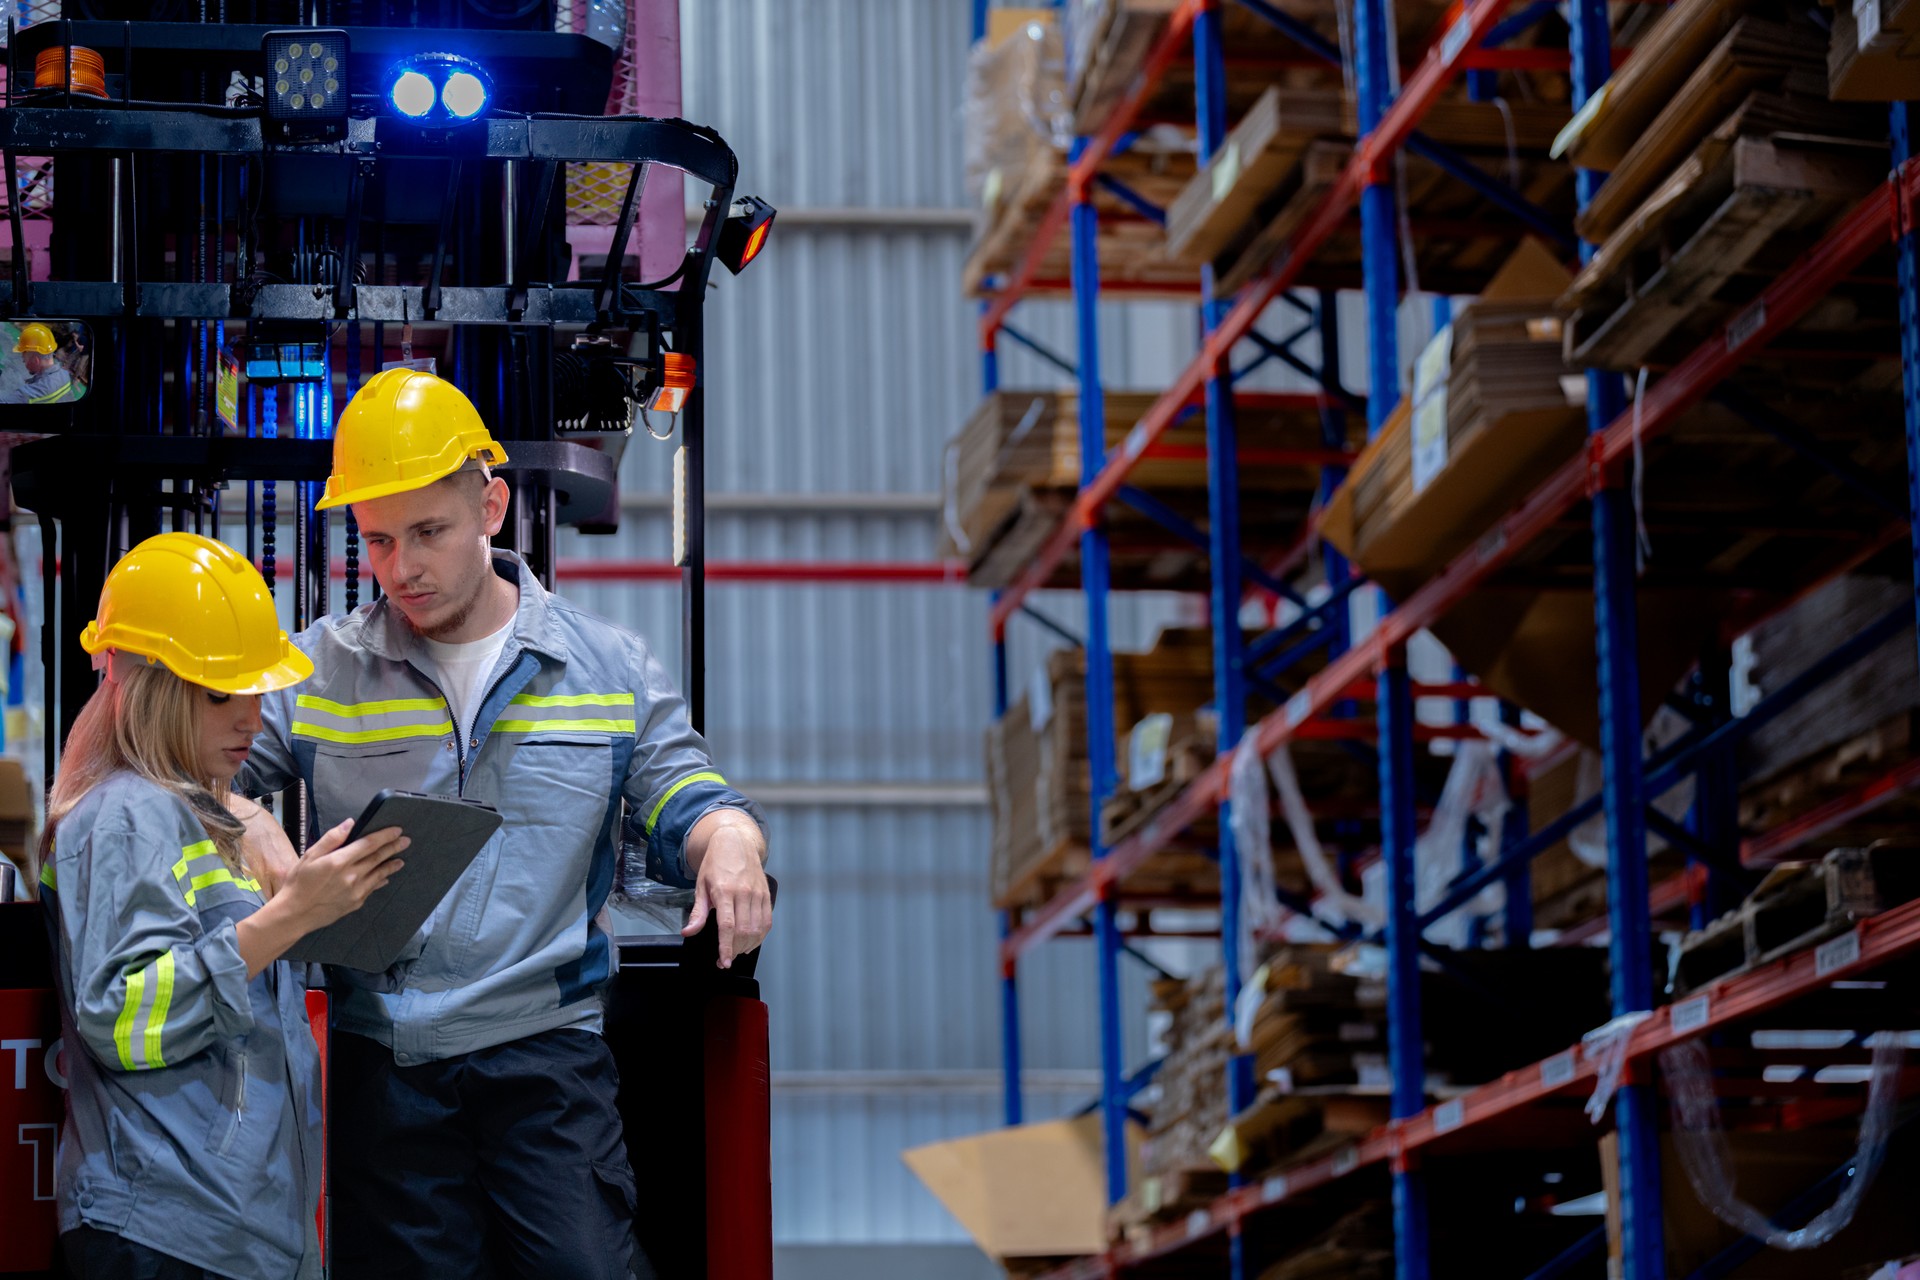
(447, 833)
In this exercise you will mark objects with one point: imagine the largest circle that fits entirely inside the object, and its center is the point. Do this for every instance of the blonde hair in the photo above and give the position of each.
(147, 722)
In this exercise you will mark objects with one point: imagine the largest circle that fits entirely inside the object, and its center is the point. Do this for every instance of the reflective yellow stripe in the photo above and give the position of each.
(162, 997)
(219, 875)
(675, 790)
(123, 1025)
(50, 397)
(47, 877)
(222, 876)
(572, 700)
(580, 726)
(188, 854)
(369, 708)
(325, 734)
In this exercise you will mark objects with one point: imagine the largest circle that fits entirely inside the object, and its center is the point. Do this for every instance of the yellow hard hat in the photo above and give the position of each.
(404, 430)
(199, 607)
(38, 339)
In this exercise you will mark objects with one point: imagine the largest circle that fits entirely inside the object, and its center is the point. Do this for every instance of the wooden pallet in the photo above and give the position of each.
(1885, 67)
(1755, 54)
(1132, 248)
(1460, 239)
(1034, 882)
(1029, 441)
(1656, 282)
(1835, 772)
(1127, 811)
(1246, 183)
(1797, 907)
(1122, 34)
(1280, 214)
(1164, 1196)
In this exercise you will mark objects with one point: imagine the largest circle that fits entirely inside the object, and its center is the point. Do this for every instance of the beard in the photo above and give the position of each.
(453, 621)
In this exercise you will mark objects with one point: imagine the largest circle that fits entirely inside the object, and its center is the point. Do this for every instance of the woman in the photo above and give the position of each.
(192, 1141)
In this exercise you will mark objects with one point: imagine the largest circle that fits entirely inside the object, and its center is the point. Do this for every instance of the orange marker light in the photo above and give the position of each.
(677, 373)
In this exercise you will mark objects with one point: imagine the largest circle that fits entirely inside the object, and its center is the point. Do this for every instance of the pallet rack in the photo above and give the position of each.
(1468, 40)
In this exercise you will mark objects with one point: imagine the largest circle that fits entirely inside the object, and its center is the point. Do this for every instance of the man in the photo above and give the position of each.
(47, 380)
(474, 1128)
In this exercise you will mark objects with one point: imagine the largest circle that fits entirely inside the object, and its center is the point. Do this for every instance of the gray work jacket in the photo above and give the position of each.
(193, 1094)
(579, 737)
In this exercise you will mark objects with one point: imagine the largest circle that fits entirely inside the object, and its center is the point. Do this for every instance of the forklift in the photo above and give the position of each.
(258, 210)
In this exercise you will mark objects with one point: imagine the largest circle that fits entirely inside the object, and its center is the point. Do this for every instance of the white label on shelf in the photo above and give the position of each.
(1866, 16)
(1491, 545)
(1298, 707)
(1282, 1078)
(1690, 1015)
(1274, 1189)
(1358, 1033)
(1374, 1075)
(1746, 324)
(1456, 40)
(1225, 171)
(1449, 1115)
(1558, 1069)
(1346, 1162)
(1147, 751)
(1197, 1223)
(1040, 698)
(1837, 954)
(1136, 443)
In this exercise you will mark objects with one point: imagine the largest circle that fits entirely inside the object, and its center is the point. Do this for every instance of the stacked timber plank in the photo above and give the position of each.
(1357, 1247)
(1874, 55)
(1856, 727)
(1279, 160)
(1192, 1102)
(1726, 158)
(1319, 1044)
(1012, 472)
(1489, 418)
(1316, 1025)
(1111, 41)
(1038, 778)
(1132, 246)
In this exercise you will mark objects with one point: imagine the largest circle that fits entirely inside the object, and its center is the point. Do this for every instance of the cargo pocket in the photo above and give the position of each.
(347, 776)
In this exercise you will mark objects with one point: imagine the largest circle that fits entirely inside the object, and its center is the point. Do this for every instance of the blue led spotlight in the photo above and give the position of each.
(439, 89)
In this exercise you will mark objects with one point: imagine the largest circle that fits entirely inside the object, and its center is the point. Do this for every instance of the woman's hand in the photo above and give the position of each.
(335, 878)
(332, 880)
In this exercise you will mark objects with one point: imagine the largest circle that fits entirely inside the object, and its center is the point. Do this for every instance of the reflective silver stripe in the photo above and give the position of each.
(598, 713)
(378, 721)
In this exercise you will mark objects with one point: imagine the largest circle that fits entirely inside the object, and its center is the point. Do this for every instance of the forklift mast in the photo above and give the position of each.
(254, 218)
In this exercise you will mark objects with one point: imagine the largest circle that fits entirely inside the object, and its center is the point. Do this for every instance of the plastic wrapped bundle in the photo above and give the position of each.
(1016, 106)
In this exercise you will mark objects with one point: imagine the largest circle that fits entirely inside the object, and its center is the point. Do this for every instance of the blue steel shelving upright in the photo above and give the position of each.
(1623, 791)
(1628, 780)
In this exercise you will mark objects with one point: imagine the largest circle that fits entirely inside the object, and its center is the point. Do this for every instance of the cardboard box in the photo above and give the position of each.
(1038, 1190)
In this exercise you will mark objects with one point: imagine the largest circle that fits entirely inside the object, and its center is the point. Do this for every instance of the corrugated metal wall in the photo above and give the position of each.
(840, 364)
